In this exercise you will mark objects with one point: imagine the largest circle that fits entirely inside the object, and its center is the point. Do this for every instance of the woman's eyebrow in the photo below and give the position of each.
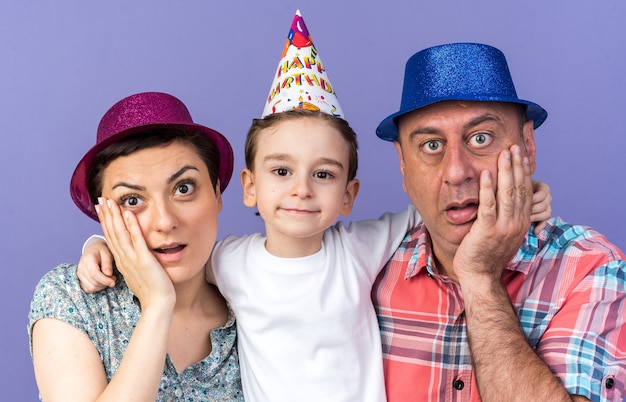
(128, 185)
(171, 179)
(180, 172)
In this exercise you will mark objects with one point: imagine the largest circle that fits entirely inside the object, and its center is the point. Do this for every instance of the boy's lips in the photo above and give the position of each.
(299, 211)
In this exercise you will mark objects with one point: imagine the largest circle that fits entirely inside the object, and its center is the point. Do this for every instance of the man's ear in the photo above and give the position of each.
(352, 190)
(529, 143)
(401, 160)
(249, 190)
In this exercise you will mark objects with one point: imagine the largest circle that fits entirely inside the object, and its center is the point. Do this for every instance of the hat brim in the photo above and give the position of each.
(78, 183)
(388, 128)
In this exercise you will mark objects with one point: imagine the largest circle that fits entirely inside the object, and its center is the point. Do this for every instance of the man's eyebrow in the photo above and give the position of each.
(487, 117)
(483, 118)
(170, 180)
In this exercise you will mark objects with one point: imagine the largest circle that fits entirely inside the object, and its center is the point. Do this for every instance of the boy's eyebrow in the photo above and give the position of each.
(285, 157)
(275, 157)
(328, 161)
(170, 180)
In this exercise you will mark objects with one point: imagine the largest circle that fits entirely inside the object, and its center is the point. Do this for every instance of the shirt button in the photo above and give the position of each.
(458, 384)
(609, 383)
(178, 392)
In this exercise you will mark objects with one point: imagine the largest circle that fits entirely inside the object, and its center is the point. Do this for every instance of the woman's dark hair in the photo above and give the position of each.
(205, 148)
(347, 133)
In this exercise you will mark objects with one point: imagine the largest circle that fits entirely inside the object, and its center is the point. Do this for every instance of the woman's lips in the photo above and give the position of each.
(170, 250)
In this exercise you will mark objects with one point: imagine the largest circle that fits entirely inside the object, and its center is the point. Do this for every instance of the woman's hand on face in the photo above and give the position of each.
(145, 277)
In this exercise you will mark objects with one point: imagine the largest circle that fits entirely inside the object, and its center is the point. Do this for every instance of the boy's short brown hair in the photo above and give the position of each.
(272, 120)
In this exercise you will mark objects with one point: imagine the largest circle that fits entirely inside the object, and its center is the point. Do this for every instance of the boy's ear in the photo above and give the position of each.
(249, 190)
(352, 189)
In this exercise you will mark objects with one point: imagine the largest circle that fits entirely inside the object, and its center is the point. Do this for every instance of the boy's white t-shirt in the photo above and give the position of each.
(307, 329)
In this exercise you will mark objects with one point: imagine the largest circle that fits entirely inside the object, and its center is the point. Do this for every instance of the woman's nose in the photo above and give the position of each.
(164, 216)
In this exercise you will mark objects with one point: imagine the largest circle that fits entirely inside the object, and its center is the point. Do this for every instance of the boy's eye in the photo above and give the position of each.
(281, 171)
(323, 175)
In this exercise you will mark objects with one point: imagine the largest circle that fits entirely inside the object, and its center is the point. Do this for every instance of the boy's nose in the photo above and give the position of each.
(302, 187)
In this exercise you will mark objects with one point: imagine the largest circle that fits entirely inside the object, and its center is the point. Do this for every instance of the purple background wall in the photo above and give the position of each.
(63, 63)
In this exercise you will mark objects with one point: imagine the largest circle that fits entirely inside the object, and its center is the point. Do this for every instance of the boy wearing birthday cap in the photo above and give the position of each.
(301, 294)
(548, 324)
(306, 326)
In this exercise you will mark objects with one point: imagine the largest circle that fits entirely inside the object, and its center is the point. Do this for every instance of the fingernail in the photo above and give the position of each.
(100, 200)
(109, 203)
(97, 208)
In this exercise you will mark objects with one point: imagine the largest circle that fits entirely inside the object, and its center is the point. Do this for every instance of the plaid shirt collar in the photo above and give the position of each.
(422, 258)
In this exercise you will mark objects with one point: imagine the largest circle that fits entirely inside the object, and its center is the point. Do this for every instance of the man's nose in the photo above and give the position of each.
(458, 165)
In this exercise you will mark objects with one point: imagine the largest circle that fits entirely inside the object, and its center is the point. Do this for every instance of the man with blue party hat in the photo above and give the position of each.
(475, 305)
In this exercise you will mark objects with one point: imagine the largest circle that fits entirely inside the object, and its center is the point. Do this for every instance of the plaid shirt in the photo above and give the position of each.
(567, 285)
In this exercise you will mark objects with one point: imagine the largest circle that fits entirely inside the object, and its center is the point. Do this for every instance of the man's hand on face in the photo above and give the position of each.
(502, 222)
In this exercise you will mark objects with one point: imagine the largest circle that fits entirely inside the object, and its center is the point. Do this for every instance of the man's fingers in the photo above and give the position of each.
(487, 207)
(506, 185)
(514, 185)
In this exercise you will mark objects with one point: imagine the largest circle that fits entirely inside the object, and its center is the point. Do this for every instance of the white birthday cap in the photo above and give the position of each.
(301, 81)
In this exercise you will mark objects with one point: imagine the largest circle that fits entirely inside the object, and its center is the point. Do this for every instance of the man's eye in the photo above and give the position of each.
(432, 146)
(480, 139)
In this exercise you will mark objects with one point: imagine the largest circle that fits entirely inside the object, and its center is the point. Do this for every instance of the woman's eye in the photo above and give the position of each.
(184, 188)
(130, 201)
